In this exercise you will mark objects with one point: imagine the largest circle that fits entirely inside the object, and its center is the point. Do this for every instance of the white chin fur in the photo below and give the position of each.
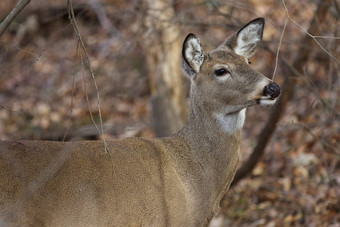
(267, 102)
(230, 123)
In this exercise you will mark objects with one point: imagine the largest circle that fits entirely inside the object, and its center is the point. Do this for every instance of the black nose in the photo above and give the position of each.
(273, 90)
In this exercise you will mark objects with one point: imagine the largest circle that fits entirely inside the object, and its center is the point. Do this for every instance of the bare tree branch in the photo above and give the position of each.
(81, 45)
(278, 49)
(12, 15)
(306, 80)
(309, 34)
(288, 91)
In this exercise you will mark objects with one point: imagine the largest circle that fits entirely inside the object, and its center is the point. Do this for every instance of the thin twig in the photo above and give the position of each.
(72, 96)
(13, 14)
(278, 48)
(71, 107)
(310, 35)
(90, 111)
(326, 37)
(288, 88)
(86, 93)
(18, 48)
(82, 45)
(310, 85)
(83, 48)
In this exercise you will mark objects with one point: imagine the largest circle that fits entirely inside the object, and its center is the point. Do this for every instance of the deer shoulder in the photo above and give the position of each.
(172, 181)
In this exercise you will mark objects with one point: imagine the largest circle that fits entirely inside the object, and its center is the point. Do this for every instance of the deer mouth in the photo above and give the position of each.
(266, 101)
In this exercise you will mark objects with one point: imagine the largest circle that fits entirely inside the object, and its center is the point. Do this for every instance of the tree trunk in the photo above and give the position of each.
(287, 94)
(162, 45)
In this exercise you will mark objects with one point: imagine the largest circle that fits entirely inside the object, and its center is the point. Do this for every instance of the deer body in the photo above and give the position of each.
(73, 183)
(172, 181)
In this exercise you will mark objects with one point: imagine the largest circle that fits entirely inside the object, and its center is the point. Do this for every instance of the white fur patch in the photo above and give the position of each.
(216, 221)
(224, 77)
(267, 102)
(194, 53)
(230, 123)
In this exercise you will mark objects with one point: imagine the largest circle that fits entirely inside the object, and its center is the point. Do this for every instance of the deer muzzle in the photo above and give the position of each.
(273, 90)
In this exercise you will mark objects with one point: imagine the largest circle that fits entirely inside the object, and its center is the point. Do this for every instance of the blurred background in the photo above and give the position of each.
(290, 152)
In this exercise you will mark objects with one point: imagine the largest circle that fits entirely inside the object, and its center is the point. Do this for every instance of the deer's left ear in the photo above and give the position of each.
(247, 39)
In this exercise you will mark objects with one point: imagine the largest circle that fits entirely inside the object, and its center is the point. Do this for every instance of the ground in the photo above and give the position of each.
(42, 96)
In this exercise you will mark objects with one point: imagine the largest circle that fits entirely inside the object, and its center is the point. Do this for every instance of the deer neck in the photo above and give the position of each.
(214, 133)
(213, 149)
(212, 126)
(214, 137)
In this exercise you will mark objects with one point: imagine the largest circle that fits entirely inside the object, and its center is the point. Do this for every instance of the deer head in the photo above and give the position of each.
(222, 81)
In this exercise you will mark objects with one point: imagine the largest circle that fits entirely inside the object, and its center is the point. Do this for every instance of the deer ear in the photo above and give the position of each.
(247, 39)
(193, 55)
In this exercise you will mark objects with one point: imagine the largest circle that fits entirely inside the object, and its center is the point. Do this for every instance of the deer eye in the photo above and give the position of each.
(221, 72)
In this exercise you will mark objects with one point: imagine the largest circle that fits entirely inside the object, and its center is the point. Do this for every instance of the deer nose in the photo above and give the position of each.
(273, 90)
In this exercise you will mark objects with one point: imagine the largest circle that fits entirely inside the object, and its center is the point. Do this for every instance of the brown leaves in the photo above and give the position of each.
(297, 183)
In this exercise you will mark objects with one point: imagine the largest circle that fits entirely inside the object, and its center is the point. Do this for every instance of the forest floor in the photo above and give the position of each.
(42, 96)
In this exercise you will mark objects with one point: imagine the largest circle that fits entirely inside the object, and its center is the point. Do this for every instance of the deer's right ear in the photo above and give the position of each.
(193, 55)
(249, 37)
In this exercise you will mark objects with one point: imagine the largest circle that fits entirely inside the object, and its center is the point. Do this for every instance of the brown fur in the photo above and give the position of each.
(172, 181)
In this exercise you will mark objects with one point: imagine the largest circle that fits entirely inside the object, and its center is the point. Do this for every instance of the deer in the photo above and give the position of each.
(177, 180)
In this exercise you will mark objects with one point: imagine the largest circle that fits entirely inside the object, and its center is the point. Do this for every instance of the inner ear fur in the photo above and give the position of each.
(247, 39)
(193, 55)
